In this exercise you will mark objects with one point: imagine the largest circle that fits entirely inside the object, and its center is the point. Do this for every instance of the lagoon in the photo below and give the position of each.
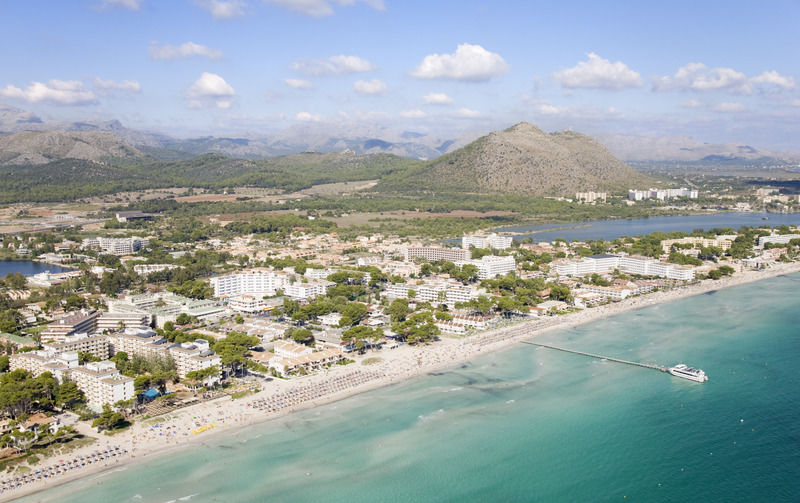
(28, 267)
(612, 229)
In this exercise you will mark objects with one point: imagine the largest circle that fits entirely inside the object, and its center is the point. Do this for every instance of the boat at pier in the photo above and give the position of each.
(687, 372)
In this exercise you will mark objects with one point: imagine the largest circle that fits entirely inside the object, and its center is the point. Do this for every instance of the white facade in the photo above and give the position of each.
(777, 238)
(435, 253)
(259, 283)
(102, 383)
(246, 303)
(661, 194)
(436, 293)
(603, 264)
(116, 246)
(307, 290)
(145, 269)
(491, 241)
(491, 266)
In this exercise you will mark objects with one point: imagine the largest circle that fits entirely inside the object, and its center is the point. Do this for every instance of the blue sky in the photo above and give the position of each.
(717, 71)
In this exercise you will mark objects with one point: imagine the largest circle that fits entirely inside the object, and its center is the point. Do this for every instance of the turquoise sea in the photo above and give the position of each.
(532, 424)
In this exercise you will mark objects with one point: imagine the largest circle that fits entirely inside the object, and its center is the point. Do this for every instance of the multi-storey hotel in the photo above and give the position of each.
(116, 246)
(79, 322)
(432, 254)
(603, 264)
(253, 282)
(491, 266)
(96, 345)
(491, 241)
(102, 383)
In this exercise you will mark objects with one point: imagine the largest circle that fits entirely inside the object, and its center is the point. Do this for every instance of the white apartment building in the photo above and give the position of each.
(723, 241)
(102, 383)
(253, 282)
(776, 238)
(109, 322)
(290, 357)
(661, 194)
(491, 266)
(188, 356)
(603, 264)
(38, 362)
(116, 246)
(96, 345)
(449, 293)
(491, 241)
(247, 303)
(145, 269)
(191, 356)
(318, 273)
(432, 254)
(591, 197)
(78, 322)
(308, 290)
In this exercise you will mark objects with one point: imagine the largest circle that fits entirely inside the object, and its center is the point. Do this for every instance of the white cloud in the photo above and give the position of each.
(466, 112)
(599, 73)
(728, 107)
(469, 62)
(128, 86)
(307, 117)
(299, 83)
(437, 99)
(223, 9)
(185, 50)
(796, 103)
(699, 77)
(548, 109)
(210, 90)
(321, 8)
(57, 92)
(412, 114)
(125, 4)
(692, 104)
(774, 78)
(335, 65)
(372, 87)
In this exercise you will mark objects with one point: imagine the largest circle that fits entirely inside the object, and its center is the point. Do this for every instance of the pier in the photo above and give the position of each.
(618, 360)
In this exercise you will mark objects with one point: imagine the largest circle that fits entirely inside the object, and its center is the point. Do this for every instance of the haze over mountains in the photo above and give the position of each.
(91, 140)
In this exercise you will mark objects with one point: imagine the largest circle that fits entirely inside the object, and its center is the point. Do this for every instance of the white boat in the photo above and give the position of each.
(687, 372)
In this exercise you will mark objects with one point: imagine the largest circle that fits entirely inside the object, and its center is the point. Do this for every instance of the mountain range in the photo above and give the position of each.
(359, 137)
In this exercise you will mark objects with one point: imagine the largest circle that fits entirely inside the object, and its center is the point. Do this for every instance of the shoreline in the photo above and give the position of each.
(173, 432)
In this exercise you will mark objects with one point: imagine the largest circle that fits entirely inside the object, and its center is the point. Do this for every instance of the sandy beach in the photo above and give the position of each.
(185, 427)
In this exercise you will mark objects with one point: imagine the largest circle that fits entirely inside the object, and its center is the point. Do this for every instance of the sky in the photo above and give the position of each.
(718, 71)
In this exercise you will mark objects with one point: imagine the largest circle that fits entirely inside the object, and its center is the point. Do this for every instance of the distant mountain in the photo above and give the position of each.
(686, 149)
(42, 147)
(523, 160)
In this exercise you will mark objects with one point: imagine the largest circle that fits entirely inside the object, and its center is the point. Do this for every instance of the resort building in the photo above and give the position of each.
(38, 362)
(442, 292)
(164, 307)
(130, 216)
(116, 246)
(111, 321)
(188, 356)
(432, 254)
(308, 290)
(776, 238)
(142, 342)
(493, 240)
(491, 266)
(723, 241)
(79, 322)
(191, 356)
(590, 197)
(145, 269)
(96, 345)
(661, 194)
(604, 264)
(102, 383)
(47, 279)
(255, 282)
(247, 304)
(290, 357)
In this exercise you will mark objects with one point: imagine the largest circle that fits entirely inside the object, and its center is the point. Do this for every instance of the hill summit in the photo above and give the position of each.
(523, 159)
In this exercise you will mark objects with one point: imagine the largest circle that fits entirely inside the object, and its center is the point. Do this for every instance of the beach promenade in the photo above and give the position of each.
(185, 427)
